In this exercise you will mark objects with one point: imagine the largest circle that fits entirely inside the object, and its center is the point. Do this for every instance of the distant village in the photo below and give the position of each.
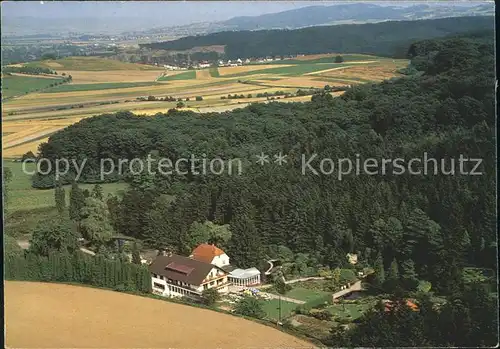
(223, 63)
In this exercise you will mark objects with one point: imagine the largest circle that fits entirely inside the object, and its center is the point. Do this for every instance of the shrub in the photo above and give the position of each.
(210, 296)
(199, 98)
(250, 306)
(322, 315)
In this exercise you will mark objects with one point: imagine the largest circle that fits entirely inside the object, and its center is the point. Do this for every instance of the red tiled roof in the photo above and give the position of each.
(409, 304)
(206, 253)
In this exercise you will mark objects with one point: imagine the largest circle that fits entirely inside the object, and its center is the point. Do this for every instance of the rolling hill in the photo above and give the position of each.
(382, 39)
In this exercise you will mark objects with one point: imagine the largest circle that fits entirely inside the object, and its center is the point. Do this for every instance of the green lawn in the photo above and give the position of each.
(305, 294)
(350, 311)
(15, 85)
(101, 86)
(271, 307)
(188, 75)
(22, 197)
(214, 72)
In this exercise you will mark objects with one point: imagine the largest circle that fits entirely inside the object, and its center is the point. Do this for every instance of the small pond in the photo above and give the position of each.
(353, 295)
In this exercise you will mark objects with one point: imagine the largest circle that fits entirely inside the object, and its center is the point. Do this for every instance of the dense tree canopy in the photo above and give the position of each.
(384, 39)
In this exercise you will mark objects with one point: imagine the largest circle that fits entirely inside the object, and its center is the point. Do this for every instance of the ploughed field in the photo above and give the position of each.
(106, 86)
(44, 315)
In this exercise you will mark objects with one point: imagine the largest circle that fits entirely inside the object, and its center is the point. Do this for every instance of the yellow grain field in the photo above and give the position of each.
(377, 72)
(43, 315)
(245, 68)
(22, 149)
(203, 74)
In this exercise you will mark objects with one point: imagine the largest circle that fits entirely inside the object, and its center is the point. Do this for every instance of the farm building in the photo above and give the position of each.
(179, 276)
(214, 255)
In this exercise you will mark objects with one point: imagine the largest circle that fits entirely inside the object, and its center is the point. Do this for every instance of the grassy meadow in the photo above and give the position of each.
(16, 85)
(22, 197)
(187, 75)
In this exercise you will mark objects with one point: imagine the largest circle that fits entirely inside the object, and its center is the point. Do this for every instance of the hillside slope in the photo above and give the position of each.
(383, 39)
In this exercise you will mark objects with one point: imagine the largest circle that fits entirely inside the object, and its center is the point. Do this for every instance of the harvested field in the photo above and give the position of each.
(376, 72)
(90, 77)
(63, 316)
(22, 149)
(247, 68)
(299, 82)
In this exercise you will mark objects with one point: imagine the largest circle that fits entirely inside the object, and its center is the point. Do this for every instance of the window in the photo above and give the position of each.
(160, 286)
(205, 286)
(212, 283)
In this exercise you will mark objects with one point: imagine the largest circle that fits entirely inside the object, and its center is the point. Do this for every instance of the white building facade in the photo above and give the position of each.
(178, 276)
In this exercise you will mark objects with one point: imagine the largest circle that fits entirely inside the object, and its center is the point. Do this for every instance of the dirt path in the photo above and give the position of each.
(24, 244)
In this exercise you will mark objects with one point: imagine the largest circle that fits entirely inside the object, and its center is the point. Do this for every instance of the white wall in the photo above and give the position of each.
(221, 260)
(172, 291)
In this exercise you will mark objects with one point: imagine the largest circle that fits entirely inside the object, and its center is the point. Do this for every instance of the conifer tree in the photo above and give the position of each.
(60, 197)
(136, 257)
(379, 271)
(76, 202)
(97, 192)
(245, 245)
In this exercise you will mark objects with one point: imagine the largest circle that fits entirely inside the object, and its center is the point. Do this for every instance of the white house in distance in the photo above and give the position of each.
(179, 276)
(239, 277)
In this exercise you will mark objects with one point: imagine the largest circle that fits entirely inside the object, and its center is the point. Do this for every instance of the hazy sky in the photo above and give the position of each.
(114, 17)
(171, 13)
